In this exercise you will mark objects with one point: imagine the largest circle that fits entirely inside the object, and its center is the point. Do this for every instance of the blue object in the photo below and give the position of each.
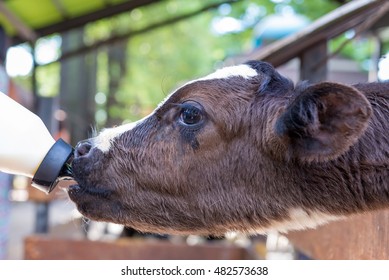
(278, 26)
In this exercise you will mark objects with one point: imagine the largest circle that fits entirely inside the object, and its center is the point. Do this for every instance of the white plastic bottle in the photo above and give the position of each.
(27, 148)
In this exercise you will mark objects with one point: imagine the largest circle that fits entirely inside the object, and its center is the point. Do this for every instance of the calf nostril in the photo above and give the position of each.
(82, 148)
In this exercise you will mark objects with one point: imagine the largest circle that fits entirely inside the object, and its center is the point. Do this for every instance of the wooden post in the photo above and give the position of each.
(375, 58)
(117, 68)
(313, 67)
(78, 87)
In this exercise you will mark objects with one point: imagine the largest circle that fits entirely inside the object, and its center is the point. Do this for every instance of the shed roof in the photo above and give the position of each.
(26, 20)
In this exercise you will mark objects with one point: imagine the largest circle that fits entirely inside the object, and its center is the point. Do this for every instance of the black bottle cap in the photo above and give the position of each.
(54, 165)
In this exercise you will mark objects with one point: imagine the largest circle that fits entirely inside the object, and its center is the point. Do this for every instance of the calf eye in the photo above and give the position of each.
(191, 113)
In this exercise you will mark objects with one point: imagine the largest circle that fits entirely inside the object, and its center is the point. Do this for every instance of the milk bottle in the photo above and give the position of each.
(27, 148)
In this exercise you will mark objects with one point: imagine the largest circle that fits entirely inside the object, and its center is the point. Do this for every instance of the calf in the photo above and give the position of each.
(242, 149)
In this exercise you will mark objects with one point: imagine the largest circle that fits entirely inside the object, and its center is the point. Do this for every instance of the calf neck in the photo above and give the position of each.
(243, 149)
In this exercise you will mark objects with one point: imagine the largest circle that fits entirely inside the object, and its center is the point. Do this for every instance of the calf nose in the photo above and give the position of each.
(82, 148)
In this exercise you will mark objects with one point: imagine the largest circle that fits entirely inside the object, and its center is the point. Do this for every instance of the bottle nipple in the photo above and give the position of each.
(55, 167)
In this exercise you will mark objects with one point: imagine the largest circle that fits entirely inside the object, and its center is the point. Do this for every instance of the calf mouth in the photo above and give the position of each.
(86, 173)
(76, 192)
(93, 202)
(85, 190)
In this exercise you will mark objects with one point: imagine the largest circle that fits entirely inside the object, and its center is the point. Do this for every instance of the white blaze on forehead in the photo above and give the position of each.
(104, 140)
(242, 70)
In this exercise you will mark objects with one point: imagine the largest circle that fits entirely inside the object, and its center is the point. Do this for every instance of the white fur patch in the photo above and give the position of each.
(300, 219)
(242, 70)
(104, 140)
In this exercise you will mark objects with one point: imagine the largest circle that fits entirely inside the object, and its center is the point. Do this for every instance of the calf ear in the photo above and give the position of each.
(323, 121)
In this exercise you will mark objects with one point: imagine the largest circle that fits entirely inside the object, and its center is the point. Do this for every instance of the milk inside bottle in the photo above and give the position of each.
(27, 148)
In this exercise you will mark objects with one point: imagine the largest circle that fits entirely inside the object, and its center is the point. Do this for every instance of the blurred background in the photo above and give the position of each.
(86, 65)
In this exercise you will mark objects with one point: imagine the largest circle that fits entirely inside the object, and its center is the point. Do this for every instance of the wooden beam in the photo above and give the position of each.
(22, 29)
(329, 26)
(61, 8)
(41, 247)
(382, 22)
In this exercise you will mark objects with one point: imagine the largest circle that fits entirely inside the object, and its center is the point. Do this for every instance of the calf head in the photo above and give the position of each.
(242, 149)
